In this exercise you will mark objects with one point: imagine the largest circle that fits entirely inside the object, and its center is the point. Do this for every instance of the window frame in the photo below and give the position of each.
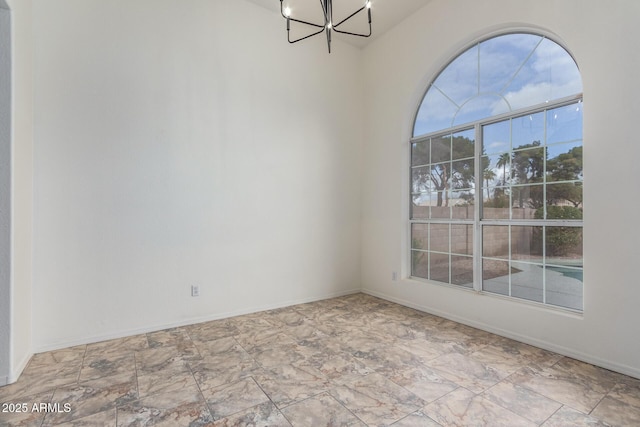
(478, 222)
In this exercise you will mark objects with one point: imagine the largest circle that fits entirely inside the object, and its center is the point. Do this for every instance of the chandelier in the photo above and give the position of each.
(328, 26)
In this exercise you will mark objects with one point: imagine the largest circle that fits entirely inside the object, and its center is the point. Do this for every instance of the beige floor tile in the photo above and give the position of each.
(621, 407)
(19, 411)
(462, 408)
(375, 399)
(213, 330)
(176, 338)
(264, 415)
(522, 401)
(568, 417)
(467, 371)
(101, 419)
(223, 368)
(353, 360)
(229, 399)
(288, 384)
(164, 382)
(416, 419)
(183, 408)
(424, 382)
(93, 396)
(160, 359)
(66, 355)
(321, 410)
(564, 386)
(39, 380)
(108, 364)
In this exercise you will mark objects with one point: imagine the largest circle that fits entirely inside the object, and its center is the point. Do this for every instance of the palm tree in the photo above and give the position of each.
(488, 175)
(503, 161)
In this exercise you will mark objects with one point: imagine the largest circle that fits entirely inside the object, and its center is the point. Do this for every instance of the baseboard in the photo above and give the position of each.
(565, 351)
(191, 321)
(15, 374)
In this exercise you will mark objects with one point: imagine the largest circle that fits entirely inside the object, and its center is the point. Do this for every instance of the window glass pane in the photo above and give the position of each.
(462, 174)
(550, 73)
(564, 287)
(526, 243)
(528, 129)
(495, 276)
(420, 153)
(439, 237)
(436, 113)
(462, 239)
(420, 180)
(555, 69)
(528, 165)
(494, 171)
(563, 246)
(459, 81)
(495, 203)
(440, 195)
(564, 124)
(420, 206)
(496, 137)
(419, 264)
(441, 149)
(440, 212)
(463, 145)
(501, 56)
(527, 281)
(462, 204)
(495, 241)
(525, 200)
(564, 162)
(439, 267)
(462, 271)
(420, 236)
(481, 107)
(564, 201)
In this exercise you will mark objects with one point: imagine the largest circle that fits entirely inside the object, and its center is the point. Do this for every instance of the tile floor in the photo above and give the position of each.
(349, 361)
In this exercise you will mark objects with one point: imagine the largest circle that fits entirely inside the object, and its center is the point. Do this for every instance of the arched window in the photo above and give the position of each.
(496, 173)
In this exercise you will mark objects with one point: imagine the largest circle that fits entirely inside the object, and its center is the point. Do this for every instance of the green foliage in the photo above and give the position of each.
(499, 200)
(567, 166)
(559, 212)
(562, 241)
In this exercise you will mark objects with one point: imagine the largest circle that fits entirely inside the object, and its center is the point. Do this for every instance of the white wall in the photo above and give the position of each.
(602, 37)
(15, 295)
(181, 143)
(5, 192)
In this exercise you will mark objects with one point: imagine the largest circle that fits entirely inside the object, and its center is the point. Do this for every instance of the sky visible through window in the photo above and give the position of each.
(499, 75)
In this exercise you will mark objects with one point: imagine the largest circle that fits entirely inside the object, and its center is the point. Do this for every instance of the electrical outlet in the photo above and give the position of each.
(195, 290)
(394, 275)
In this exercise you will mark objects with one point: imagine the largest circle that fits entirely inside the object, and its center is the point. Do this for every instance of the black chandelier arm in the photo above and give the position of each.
(305, 22)
(354, 14)
(353, 34)
(305, 37)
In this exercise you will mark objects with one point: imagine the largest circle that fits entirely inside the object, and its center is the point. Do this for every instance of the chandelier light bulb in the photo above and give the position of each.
(287, 11)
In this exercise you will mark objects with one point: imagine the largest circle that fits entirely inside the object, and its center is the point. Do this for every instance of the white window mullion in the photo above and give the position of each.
(477, 206)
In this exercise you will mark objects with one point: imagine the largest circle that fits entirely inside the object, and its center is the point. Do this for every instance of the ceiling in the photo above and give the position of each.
(385, 15)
